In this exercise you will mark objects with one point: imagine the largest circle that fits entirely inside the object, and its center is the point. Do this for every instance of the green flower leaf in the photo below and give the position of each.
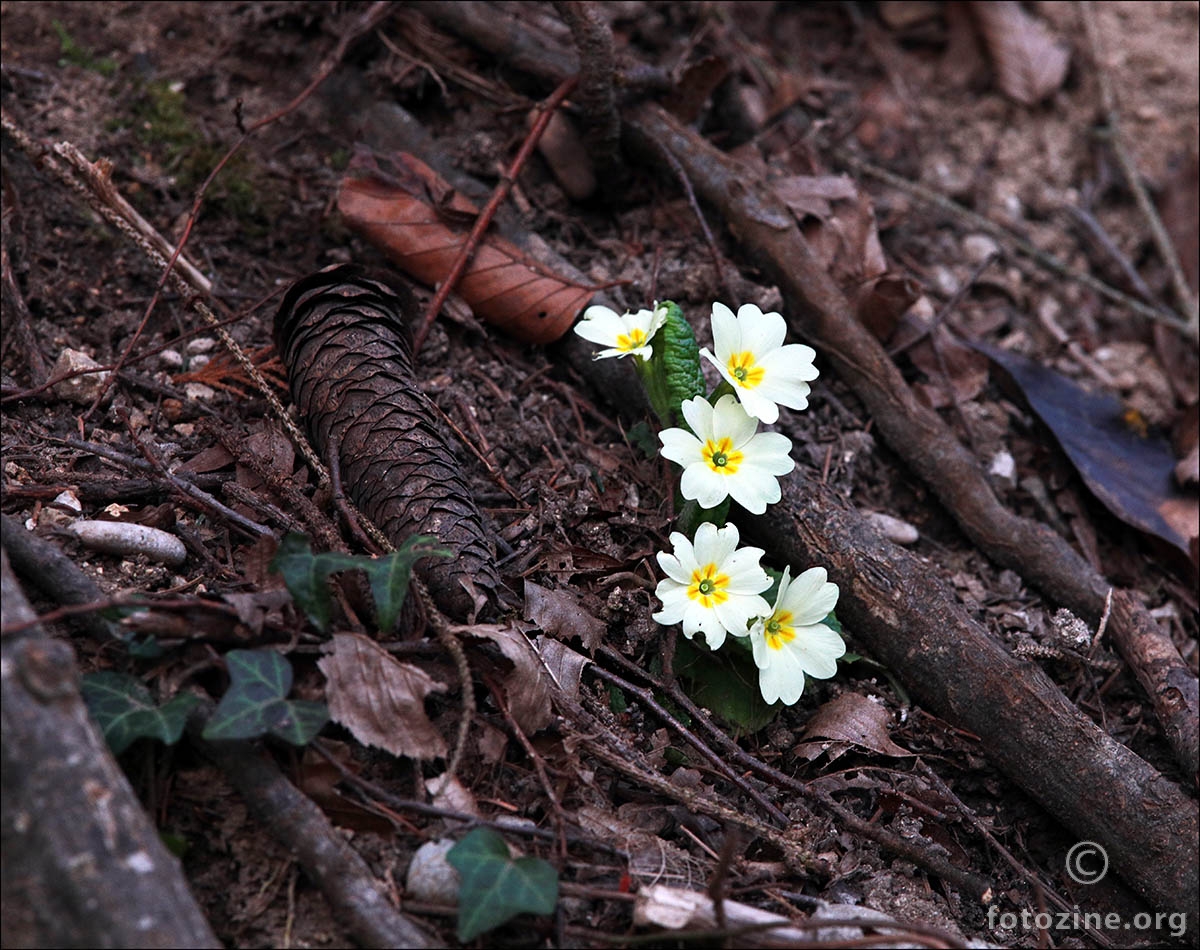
(672, 375)
(725, 682)
(496, 888)
(389, 576)
(125, 711)
(306, 576)
(255, 703)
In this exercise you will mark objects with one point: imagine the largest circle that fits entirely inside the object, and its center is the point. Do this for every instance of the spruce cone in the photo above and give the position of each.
(342, 338)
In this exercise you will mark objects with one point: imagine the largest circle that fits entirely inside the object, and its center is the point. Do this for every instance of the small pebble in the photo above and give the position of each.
(979, 247)
(430, 876)
(895, 530)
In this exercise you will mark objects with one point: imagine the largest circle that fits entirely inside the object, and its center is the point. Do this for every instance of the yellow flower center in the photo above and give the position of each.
(741, 367)
(779, 630)
(708, 586)
(631, 340)
(721, 456)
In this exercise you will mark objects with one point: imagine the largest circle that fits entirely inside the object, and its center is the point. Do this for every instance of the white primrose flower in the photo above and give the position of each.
(624, 334)
(752, 358)
(712, 587)
(792, 641)
(727, 456)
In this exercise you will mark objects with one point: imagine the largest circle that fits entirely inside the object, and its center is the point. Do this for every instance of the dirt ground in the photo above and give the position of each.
(157, 89)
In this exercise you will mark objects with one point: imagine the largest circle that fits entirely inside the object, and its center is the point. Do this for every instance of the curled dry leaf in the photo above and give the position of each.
(380, 700)
(341, 336)
(529, 684)
(559, 614)
(851, 719)
(1029, 61)
(421, 223)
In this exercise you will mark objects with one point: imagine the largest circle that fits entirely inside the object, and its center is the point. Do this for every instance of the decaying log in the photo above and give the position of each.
(82, 864)
(342, 338)
(907, 617)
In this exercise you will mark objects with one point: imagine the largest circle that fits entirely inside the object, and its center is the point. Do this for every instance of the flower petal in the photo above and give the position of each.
(701, 484)
(816, 650)
(810, 597)
(760, 332)
(782, 679)
(680, 446)
(727, 334)
(699, 415)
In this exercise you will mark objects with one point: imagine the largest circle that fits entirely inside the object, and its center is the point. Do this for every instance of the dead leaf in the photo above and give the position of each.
(318, 779)
(564, 664)
(1130, 472)
(212, 459)
(814, 194)
(699, 80)
(529, 684)
(380, 700)
(853, 719)
(404, 209)
(838, 221)
(967, 370)
(272, 448)
(559, 613)
(1029, 61)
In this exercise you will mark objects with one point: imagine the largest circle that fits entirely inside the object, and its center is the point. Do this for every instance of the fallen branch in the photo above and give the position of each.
(83, 865)
(353, 893)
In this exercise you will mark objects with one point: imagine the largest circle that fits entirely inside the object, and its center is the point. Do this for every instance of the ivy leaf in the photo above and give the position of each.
(389, 576)
(305, 575)
(496, 888)
(255, 703)
(125, 711)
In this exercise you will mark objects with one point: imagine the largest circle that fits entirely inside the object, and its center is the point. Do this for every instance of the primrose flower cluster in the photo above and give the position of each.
(713, 586)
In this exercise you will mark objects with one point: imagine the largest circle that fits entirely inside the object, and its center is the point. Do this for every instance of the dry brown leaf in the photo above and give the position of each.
(405, 210)
(559, 613)
(569, 161)
(814, 194)
(838, 221)
(529, 684)
(564, 664)
(853, 719)
(380, 700)
(1029, 61)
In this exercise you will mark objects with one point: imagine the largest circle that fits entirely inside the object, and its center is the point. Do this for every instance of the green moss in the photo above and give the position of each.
(71, 53)
(162, 123)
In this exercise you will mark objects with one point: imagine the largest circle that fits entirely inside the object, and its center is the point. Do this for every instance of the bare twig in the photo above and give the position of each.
(484, 220)
(646, 697)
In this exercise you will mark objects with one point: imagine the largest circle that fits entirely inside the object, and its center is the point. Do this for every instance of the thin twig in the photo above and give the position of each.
(646, 697)
(191, 492)
(1162, 240)
(484, 220)
(539, 764)
(715, 251)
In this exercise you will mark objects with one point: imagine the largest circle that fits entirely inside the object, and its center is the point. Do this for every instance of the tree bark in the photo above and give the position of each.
(82, 864)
